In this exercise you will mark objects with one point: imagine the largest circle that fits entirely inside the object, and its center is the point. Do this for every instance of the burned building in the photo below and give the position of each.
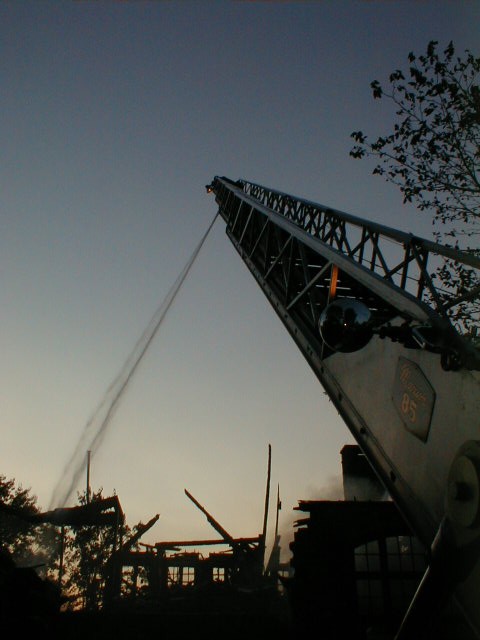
(170, 568)
(356, 563)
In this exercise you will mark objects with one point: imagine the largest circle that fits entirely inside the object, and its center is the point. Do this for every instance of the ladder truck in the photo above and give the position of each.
(361, 303)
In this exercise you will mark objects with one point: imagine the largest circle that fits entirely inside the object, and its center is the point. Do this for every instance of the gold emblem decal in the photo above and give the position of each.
(413, 397)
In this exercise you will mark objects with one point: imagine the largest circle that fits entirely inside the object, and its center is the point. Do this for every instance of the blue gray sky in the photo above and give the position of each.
(113, 117)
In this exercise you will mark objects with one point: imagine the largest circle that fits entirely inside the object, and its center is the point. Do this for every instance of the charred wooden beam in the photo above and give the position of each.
(216, 525)
(141, 529)
(92, 514)
(176, 544)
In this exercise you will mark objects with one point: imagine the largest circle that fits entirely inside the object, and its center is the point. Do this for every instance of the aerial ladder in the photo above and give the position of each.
(362, 303)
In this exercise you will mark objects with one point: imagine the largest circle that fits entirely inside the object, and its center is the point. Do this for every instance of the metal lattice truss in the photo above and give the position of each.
(302, 254)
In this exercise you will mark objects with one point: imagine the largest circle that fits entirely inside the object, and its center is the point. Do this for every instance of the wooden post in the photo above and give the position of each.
(267, 499)
(88, 476)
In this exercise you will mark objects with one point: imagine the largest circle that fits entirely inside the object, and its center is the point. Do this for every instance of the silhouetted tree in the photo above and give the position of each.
(433, 155)
(28, 595)
(87, 550)
(18, 536)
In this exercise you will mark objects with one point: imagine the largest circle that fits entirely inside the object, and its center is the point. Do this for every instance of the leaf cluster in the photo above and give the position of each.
(87, 552)
(433, 153)
(17, 534)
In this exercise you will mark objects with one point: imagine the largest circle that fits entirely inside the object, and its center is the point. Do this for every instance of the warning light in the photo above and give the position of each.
(333, 282)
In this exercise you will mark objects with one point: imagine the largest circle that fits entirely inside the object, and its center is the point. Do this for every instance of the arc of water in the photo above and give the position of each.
(96, 427)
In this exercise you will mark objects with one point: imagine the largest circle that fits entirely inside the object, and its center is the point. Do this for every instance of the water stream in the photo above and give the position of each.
(96, 427)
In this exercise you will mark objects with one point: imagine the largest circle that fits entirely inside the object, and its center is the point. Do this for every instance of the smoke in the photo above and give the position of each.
(332, 489)
(96, 427)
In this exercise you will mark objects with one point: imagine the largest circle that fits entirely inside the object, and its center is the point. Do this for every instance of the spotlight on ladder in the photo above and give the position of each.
(346, 325)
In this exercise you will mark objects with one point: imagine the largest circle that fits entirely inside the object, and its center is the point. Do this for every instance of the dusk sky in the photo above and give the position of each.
(113, 118)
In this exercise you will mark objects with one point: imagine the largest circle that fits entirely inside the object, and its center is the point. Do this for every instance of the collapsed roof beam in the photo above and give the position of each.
(216, 525)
